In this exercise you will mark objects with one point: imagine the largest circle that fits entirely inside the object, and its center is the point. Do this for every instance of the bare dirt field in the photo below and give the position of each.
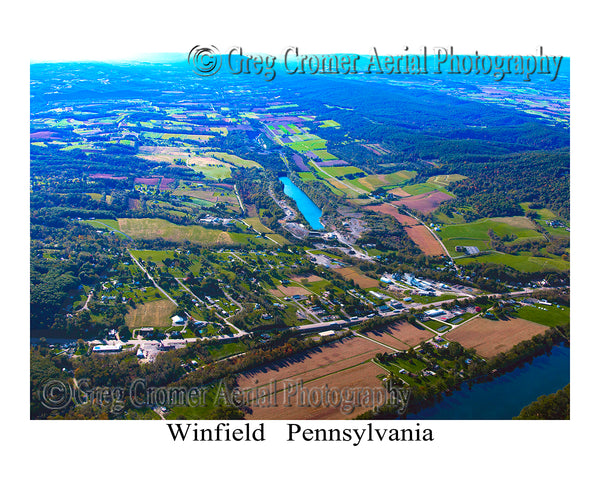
(163, 154)
(491, 337)
(309, 278)
(425, 202)
(399, 192)
(393, 211)
(406, 332)
(289, 291)
(519, 222)
(417, 232)
(424, 240)
(361, 280)
(151, 314)
(387, 340)
(313, 363)
(294, 407)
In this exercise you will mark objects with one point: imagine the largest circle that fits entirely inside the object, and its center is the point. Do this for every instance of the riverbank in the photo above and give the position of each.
(503, 397)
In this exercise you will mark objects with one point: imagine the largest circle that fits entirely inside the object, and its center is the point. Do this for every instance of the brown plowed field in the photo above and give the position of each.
(425, 202)
(424, 240)
(386, 339)
(417, 232)
(399, 192)
(313, 363)
(289, 291)
(361, 280)
(361, 377)
(403, 331)
(309, 278)
(393, 211)
(491, 337)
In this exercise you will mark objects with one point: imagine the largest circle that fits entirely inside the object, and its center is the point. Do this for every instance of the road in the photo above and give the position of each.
(112, 229)
(85, 305)
(221, 317)
(350, 187)
(152, 278)
(153, 345)
(430, 231)
(239, 199)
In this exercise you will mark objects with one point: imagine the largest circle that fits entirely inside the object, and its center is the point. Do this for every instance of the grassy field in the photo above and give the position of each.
(106, 224)
(153, 314)
(476, 233)
(453, 220)
(425, 299)
(341, 171)
(419, 188)
(524, 262)
(234, 159)
(324, 155)
(157, 256)
(550, 316)
(307, 176)
(258, 226)
(218, 172)
(435, 325)
(226, 349)
(546, 214)
(445, 180)
(329, 123)
(306, 145)
(153, 228)
(413, 365)
(388, 181)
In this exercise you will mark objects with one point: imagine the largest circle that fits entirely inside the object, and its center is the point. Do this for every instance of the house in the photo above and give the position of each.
(140, 353)
(177, 320)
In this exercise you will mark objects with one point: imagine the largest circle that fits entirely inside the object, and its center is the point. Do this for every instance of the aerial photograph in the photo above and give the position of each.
(307, 238)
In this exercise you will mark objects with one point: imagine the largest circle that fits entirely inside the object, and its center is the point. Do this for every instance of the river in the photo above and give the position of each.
(311, 212)
(505, 396)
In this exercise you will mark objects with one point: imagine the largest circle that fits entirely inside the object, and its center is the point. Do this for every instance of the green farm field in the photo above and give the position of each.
(234, 159)
(329, 123)
(324, 155)
(549, 315)
(341, 171)
(306, 145)
(524, 262)
(258, 226)
(419, 188)
(153, 228)
(445, 180)
(476, 233)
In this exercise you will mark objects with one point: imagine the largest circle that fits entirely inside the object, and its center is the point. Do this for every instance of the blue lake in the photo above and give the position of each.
(311, 212)
(505, 396)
